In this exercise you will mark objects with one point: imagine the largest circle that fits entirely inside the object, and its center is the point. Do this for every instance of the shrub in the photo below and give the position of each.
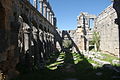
(67, 44)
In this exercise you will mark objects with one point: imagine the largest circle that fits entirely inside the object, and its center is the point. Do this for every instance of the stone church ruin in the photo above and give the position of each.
(29, 34)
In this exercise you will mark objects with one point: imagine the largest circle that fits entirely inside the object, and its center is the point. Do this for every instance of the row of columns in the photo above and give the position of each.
(45, 9)
(36, 46)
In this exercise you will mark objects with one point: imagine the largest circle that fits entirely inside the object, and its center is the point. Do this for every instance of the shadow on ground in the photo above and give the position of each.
(70, 66)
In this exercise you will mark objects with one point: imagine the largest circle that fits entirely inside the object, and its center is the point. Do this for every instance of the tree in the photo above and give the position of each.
(96, 40)
(67, 44)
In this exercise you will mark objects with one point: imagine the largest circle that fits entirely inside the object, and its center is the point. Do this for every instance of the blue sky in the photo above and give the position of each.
(67, 11)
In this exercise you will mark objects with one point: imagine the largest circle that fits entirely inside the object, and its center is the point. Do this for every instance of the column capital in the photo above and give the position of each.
(48, 5)
(45, 5)
(48, 10)
(52, 12)
(41, 0)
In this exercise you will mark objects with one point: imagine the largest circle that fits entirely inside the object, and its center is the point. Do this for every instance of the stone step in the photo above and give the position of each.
(93, 55)
(100, 61)
(96, 57)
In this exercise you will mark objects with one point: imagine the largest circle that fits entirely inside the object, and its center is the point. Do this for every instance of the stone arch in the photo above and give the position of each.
(37, 47)
(25, 18)
(45, 29)
(24, 42)
(34, 23)
(41, 43)
(41, 26)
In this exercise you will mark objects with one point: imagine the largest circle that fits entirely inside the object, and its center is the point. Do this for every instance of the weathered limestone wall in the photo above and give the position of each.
(26, 35)
(108, 30)
(83, 23)
(77, 39)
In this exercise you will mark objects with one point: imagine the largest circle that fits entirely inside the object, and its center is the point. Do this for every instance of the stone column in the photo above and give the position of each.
(52, 19)
(41, 48)
(35, 4)
(45, 10)
(41, 6)
(36, 52)
(51, 43)
(27, 45)
(48, 14)
(45, 46)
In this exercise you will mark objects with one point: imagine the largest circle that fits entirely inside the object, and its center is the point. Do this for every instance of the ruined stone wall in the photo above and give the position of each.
(26, 36)
(76, 37)
(108, 30)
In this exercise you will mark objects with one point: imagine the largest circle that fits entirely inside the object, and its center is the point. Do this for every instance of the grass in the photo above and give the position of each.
(55, 70)
(76, 58)
(109, 57)
(59, 61)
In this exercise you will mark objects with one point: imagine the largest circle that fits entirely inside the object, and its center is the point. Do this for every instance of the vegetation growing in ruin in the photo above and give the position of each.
(96, 40)
(67, 44)
(110, 58)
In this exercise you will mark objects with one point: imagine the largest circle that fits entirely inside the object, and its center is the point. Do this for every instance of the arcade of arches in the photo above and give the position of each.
(29, 35)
